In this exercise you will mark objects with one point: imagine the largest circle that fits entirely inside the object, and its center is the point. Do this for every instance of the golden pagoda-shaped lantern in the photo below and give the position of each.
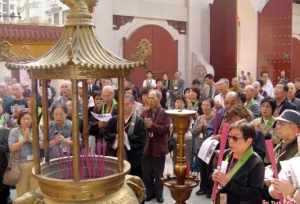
(79, 56)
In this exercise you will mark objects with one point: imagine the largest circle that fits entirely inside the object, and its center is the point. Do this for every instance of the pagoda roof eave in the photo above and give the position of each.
(78, 47)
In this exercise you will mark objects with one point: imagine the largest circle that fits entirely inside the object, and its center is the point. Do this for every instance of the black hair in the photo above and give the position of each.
(264, 72)
(182, 99)
(242, 97)
(209, 76)
(144, 91)
(149, 72)
(285, 87)
(261, 82)
(211, 102)
(59, 105)
(197, 91)
(196, 81)
(186, 90)
(271, 101)
(247, 130)
(21, 115)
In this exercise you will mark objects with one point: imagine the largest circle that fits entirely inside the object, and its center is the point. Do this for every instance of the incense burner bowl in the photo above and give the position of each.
(112, 187)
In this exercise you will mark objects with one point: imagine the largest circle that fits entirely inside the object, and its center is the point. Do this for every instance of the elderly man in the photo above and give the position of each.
(282, 103)
(250, 103)
(222, 87)
(231, 99)
(110, 104)
(288, 128)
(18, 103)
(157, 124)
(257, 92)
(291, 96)
(65, 93)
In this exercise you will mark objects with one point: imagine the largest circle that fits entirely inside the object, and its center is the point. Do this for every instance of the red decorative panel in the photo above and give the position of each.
(164, 58)
(223, 38)
(274, 37)
(295, 67)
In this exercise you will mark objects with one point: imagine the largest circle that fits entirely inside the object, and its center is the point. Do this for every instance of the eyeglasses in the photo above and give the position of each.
(234, 138)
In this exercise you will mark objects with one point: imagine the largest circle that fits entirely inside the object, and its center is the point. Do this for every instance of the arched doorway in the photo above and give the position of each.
(164, 57)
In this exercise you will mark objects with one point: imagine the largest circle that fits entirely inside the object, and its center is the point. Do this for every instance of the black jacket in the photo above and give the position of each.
(137, 139)
(246, 185)
(286, 105)
(4, 151)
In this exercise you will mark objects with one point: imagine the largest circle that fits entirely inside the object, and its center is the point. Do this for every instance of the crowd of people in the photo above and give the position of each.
(252, 111)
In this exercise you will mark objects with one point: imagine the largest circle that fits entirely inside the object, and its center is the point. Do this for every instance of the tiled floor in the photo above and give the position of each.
(194, 199)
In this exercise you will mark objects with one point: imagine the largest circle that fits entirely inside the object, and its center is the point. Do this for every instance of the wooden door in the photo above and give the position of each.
(164, 57)
(223, 38)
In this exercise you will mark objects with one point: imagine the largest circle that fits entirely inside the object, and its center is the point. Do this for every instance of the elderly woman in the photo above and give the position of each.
(242, 176)
(60, 130)
(20, 146)
(266, 122)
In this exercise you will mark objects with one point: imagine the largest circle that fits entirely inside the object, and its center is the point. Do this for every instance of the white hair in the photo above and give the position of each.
(108, 88)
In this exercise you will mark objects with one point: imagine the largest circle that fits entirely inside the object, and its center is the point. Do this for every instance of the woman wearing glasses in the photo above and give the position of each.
(241, 176)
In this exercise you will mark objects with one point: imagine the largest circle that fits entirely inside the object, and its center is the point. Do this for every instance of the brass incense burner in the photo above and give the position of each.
(79, 56)
(182, 184)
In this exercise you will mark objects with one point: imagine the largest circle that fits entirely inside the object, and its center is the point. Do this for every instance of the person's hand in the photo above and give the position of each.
(216, 137)
(26, 135)
(148, 122)
(268, 182)
(220, 178)
(284, 187)
(258, 126)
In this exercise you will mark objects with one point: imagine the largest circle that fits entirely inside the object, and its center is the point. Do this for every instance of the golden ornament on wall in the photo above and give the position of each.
(143, 51)
(4, 50)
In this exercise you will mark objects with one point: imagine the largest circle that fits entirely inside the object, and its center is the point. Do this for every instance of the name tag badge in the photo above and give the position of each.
(224, 166)
(29, 157)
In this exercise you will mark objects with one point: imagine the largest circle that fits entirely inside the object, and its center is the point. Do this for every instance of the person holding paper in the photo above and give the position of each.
(241, 175)
(287, 185)
(134, 136)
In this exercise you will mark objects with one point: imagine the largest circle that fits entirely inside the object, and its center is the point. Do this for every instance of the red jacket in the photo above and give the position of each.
(157, 135)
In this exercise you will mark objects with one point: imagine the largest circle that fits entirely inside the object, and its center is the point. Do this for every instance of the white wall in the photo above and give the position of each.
(296, 20)
(104, 24)
(4, 72)
(247, 37)
(198, 36)
(156, 12)
(153, 9)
